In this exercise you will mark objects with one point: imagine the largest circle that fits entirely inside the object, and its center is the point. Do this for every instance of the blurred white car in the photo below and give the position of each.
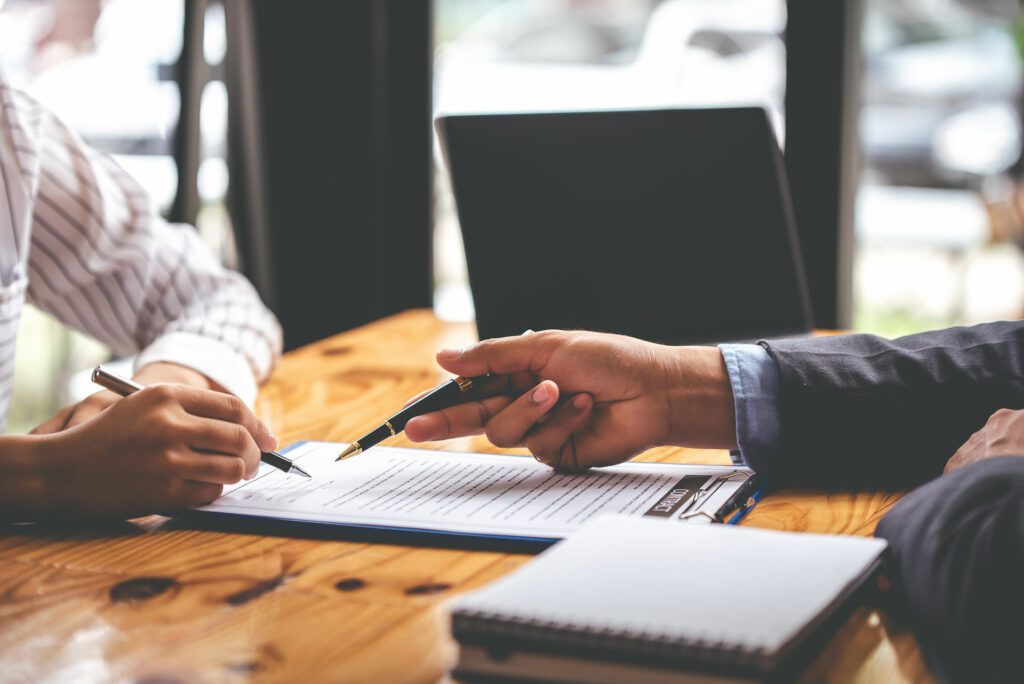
(549, 56)
(941, 93)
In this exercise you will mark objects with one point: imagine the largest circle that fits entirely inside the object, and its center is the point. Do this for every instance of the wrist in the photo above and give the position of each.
(702, 411)
(28, 482)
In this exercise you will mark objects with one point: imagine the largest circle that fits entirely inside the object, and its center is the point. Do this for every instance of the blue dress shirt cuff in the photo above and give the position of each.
(755, 390)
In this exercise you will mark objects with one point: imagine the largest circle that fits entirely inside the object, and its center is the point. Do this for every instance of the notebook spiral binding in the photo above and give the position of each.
(502, 631)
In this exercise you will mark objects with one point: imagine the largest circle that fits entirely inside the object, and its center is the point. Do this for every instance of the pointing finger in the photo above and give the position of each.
(499, 356)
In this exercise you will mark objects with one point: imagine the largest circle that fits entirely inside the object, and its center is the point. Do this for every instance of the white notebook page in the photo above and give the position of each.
(470, 493)
(721, 584)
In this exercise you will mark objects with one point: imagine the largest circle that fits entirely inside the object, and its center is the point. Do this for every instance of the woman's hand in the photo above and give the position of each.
(165, 447)
(581, 399)
(91, 406)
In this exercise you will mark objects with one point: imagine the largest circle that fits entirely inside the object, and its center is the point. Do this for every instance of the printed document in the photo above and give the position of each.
(472, 493)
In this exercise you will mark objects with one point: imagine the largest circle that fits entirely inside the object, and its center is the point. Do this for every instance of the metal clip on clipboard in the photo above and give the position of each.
(713, 486)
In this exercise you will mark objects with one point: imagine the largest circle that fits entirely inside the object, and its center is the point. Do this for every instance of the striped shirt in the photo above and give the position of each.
(80, 239)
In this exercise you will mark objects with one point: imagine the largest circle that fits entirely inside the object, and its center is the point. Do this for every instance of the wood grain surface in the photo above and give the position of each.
(152, 601)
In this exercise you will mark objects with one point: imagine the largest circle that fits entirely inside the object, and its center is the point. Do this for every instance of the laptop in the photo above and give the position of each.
(671, 225)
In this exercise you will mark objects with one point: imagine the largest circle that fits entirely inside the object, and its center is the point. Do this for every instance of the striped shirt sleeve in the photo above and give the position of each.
(101, 260)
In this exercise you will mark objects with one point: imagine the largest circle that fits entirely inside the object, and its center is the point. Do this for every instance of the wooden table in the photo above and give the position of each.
(152, 601)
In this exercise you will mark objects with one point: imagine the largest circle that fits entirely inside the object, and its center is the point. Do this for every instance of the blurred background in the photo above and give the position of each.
(937, 204)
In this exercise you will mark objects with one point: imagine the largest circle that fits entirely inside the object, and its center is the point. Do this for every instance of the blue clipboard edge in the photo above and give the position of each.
(415, 536)
(742, 513)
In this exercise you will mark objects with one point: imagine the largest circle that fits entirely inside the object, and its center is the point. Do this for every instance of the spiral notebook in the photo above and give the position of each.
(627, 599)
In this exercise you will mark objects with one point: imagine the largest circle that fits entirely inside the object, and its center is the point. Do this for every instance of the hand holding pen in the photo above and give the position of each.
(581, 399)
(162, 448)
(115, 383)
(454, 392)
(532, 391)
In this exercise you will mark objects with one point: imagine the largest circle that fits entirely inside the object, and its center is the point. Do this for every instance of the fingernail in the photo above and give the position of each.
(540, 395)
(580, 401)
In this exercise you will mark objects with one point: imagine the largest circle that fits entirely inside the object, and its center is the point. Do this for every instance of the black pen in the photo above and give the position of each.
(115, 383)
(741, 498)
(449, 394)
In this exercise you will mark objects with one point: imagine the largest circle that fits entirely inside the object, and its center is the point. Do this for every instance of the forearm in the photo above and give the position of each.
(198, 314)
(105, 263)
(223, 331)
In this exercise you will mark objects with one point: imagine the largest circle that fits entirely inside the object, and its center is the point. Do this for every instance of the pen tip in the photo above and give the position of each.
(352, 450)
(299, 471)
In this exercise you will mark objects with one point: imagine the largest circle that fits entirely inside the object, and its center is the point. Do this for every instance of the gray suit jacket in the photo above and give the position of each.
(859, 410)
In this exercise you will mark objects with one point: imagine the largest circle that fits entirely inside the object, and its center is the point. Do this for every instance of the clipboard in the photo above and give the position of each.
(234, 513)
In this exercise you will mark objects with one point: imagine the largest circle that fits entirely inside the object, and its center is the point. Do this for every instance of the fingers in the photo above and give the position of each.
(220, 406)
(951, 465)
(90, 407)
(223, 437)
(509, 423)
(552, 441)
(213, 468)
(198, 493)
(55, 424)
(73, 415)
(504, 421)
(954, 462)
(509, 427)
(499, 356)
(490, 386)
(468, 418)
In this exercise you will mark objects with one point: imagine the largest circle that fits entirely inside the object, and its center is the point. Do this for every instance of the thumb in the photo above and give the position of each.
(500, 356)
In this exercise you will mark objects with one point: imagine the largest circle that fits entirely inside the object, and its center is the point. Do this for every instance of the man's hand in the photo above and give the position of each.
(580, 399)
(91, 406)
(1003, 435)
(167, 446)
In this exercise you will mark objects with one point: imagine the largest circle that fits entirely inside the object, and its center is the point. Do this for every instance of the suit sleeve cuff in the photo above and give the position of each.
(755, 389)
(212, 358)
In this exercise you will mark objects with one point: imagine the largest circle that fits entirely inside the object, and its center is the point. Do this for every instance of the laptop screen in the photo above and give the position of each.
(669, 225)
